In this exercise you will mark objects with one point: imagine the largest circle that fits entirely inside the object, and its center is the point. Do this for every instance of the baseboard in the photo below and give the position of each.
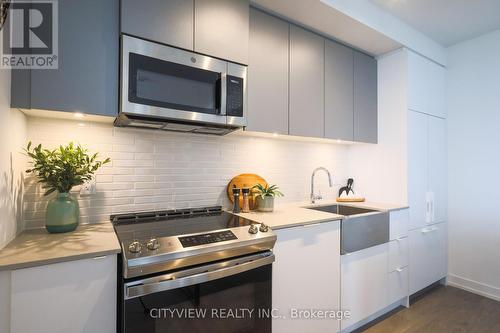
(474, 287)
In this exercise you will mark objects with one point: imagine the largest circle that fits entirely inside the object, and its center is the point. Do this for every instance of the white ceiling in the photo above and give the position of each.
(446, 21)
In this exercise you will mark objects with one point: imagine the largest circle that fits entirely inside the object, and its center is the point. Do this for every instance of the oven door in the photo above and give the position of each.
(159, 81)
(223, 297)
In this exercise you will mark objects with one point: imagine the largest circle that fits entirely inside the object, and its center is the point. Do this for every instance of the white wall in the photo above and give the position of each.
(380, 171)
(474, 163)
(12, 163)
(164, 170)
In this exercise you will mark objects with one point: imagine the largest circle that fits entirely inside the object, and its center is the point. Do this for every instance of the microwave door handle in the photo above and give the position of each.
(176, 280)
(222, 94)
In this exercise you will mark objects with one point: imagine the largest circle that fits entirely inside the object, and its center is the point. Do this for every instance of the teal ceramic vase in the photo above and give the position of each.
(63, 214)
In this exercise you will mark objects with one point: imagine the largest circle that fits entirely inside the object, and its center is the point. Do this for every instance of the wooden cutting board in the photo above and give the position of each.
(244, 180)
(350, 199)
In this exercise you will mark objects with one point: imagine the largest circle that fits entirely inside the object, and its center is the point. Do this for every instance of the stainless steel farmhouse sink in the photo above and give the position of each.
(343, 210)
(361, 228)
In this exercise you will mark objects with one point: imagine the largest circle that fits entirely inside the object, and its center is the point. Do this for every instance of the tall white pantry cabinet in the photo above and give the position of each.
(419, 91)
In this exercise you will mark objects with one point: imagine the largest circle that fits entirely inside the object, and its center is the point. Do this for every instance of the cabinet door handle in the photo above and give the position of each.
(400, 239)
(429, 229)
(427, 208)
(399, 270)
(433, 215)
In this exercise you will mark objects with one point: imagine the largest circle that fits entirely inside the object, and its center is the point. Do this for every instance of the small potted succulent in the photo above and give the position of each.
(60, 170)
(265, 196)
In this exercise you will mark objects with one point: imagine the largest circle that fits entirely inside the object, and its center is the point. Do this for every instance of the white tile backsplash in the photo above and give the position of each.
(164, 170)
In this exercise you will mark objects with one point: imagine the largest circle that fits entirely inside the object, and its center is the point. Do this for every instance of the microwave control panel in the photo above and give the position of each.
(234, 102)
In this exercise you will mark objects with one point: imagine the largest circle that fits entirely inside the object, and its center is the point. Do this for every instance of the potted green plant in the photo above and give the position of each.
(60, 170)
(265, 196)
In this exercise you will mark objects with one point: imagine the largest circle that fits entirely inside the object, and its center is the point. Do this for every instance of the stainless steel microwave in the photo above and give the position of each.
(167, 88)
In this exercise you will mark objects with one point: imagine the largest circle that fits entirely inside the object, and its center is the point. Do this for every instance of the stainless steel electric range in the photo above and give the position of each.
(193, 270)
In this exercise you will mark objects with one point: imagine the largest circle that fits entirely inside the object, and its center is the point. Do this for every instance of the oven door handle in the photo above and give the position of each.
(195, 275)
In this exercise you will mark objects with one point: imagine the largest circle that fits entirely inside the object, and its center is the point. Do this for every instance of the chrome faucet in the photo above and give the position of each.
(315, 197)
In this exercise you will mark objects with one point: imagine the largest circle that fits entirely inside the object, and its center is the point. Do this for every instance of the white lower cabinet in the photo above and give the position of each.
(428, 252)
(364, 283)
(375, 280)
(399, 223)
(76, 296)
(398, 284)
(398, 254)
(306, 276)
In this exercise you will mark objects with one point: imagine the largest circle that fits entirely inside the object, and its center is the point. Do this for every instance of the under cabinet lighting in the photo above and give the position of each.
(78, 115)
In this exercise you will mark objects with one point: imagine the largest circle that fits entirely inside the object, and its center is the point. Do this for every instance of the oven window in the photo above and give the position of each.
(169, 85)
(206, 307)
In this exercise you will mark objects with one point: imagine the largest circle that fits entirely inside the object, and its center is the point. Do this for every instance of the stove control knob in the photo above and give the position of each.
(153, 244)
(263, 228)
(135, 247)
(253, 229)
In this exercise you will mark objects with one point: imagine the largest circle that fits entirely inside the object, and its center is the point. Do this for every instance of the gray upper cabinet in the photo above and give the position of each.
(165, 21)
(365, 98)
(339, 89)
(221, 29)
(307, 107)
(87, 78)
(268, 74)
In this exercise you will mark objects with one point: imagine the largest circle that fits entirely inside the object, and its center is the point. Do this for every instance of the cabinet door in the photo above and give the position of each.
(398, 285)
(76, 296)
(221, 29)
(364, 282)
(437, 93)
(169, 22)
(306, 275)
(399, 224)
(365, 98)
(417, 168)
(268, 74)
(307, 107)
(398, 254)
(87, 78)
(437, 168)
(427, 259)
(418, 94)
(426, 86)
(339, 88)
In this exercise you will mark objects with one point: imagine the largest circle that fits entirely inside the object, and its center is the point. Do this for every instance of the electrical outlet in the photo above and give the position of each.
(88, 188)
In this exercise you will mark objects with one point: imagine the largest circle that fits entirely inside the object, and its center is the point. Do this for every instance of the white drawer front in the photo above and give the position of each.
(399, 223)
(428, 256)
(398, 284)
(398, 254)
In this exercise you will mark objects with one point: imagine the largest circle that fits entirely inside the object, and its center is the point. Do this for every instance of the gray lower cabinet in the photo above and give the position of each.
(365, 98)
(339, 89)
(87, 78)
(307, 104)
(164, 21)
(267, 74)
(221, 29)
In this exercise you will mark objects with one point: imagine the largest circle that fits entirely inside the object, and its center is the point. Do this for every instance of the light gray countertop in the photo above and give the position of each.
(296, 214)
(37, 247)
